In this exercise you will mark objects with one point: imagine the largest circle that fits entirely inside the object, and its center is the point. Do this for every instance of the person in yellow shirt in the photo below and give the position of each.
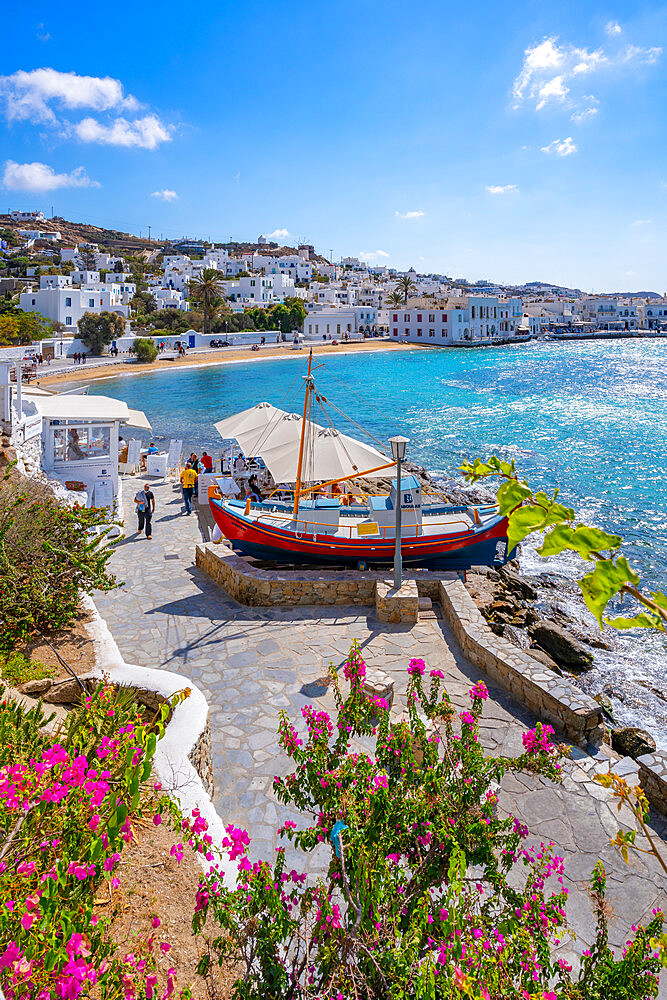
(188, 482)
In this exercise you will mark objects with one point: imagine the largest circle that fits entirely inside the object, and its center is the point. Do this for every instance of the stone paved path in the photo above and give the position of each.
(252, 662)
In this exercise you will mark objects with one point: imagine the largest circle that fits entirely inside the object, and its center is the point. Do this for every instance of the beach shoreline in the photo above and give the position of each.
(213, 357)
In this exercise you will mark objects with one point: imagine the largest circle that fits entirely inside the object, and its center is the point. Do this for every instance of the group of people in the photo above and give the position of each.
(145, 499)
(190, 474)
(79, 357)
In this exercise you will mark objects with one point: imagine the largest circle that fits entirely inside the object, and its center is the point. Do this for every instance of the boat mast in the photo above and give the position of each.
(309, 389)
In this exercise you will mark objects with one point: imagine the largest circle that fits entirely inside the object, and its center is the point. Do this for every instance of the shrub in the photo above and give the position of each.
(18, 668)
(47, 557)
(67, 810)
(145, 349)
(429, 893)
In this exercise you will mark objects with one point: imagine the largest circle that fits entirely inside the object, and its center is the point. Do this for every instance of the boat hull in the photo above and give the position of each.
(483, 546)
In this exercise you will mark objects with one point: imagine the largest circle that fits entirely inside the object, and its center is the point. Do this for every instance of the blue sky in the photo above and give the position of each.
(515, 142)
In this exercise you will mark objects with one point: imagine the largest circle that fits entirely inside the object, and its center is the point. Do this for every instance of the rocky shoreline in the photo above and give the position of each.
(529, 612)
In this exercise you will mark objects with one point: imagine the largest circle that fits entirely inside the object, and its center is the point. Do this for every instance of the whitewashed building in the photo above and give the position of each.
(67, 305)
(334, 322)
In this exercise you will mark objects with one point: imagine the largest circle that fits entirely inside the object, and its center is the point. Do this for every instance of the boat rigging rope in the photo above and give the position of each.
(365, 401)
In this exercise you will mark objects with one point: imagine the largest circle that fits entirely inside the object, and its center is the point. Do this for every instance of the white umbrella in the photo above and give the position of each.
(251, 421)
(327, 455)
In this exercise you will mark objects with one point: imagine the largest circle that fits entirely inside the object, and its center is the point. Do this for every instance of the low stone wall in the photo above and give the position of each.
(552, 698)
(653, 779)
(257, 587)
(201, 758)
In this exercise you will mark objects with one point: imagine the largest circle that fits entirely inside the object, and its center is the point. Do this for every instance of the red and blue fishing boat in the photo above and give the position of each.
(327, 519)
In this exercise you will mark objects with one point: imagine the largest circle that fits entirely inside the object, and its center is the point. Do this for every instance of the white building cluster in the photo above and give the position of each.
(348, 299)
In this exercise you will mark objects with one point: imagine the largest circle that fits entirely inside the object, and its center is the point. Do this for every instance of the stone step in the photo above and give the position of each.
(425, 603)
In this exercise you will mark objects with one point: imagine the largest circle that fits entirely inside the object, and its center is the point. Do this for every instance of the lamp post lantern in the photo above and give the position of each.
(398, 447)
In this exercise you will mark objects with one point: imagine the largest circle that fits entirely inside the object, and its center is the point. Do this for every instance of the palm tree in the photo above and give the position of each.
(396, 299)
(207, 289)
(405, 287)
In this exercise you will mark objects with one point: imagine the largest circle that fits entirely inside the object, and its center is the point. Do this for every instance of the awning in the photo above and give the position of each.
(138, 419)
(78, 407)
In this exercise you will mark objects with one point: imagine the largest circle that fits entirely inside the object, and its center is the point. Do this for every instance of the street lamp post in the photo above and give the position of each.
(398, 446)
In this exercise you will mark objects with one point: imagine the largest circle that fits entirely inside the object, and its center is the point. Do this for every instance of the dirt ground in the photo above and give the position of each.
(216, 357)
(153, 883)
(74, 645)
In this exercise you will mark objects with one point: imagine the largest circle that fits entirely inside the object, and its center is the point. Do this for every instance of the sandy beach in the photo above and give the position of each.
(219, 356)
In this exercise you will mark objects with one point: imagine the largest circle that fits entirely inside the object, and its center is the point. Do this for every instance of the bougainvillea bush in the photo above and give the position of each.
(68, 807)
(429, 892)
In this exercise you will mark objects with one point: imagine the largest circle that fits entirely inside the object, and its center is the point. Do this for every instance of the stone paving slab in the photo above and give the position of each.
(250, 663)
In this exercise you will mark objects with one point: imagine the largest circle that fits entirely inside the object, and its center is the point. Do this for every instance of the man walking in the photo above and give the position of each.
(188, 481)
(145, 501)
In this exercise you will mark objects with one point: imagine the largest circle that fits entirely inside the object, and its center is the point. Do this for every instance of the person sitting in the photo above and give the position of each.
(254, 486)
(207, 462)
(251, 494)
(153, 449)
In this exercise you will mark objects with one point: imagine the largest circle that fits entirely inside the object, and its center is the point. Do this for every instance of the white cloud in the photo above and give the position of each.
(42, 35)
(410, 215)
(586, 113)
(551, 71)
(29, 95)
(501, 188)
(278, 233)
(641, 222)
(165, 194)
(144, 133)
(552, 90)
(371, 255)
(561, 147)
(39, 177)
(613, 28)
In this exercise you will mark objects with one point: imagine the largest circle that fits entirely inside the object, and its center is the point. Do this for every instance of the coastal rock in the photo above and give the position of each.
(63, 692)
(632, 742)
(605, 703)
(517, 636)
(518, 584)
(538, 654)
(563, 647)
(37, 686)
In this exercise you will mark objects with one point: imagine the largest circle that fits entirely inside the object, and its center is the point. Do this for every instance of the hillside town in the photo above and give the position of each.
(49, 269)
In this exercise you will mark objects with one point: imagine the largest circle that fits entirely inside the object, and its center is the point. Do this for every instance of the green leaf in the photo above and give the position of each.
(556, 541)
(659, 598)
(586, 540)
(511, 494)
(523, 522)
(642, 620)
(604, 582)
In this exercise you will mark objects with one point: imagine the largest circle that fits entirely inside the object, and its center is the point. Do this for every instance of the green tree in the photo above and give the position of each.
(395, 299)
(19, 327)
(145, 349)
(88, 258)
(405, 287)
(97, 330)
(144, 302)
(208, 291)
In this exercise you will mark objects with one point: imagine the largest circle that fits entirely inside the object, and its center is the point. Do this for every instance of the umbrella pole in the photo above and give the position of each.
(309, 385)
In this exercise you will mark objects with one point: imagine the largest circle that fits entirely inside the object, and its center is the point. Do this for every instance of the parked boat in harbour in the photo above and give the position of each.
(326, 518)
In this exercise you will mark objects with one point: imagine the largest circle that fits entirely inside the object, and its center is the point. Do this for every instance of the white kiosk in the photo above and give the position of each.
(80, 441)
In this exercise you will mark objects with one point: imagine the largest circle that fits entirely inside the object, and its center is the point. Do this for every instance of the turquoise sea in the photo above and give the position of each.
(588, 417)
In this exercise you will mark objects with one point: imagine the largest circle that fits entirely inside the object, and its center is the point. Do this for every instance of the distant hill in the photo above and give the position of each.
(119, 242)
(83, 232)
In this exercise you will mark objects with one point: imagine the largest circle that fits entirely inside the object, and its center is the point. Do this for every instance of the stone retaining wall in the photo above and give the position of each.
(257, 587)
(653, 779)
(201, 758)
(397, 606)
(552, 698)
